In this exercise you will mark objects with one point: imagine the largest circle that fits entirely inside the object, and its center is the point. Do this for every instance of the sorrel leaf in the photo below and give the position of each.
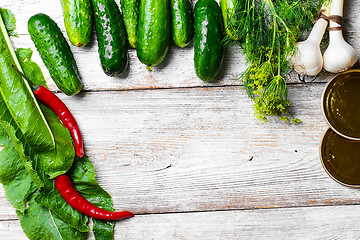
(59, 161)
(30, 68)
(16, 180)
(19, 148)
(53, 165)
(17, 175)
(9, 21)
(83, 175)
(38, 223)
(51, 198)
(19, 99)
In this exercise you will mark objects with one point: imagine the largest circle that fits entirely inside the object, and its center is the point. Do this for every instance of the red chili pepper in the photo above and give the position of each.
(52, 101)
(76, 200)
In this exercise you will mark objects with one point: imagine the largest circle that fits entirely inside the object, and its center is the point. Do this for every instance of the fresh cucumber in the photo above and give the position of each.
(153, 31)
(111, 36)
(228, 11)
(78, 21)
(208, 49)
(182, 22)
(130, 10)
(55, 53)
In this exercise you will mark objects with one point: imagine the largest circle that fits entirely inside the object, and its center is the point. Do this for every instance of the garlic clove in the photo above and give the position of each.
(308, 59)
(339, 56)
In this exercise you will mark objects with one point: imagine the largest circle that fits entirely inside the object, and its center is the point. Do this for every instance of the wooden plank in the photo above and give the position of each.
(176, 71)
(201, 149)
(340, 222)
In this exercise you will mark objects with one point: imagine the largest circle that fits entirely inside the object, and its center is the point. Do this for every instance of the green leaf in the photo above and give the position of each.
(103, 230)
(54, 164)
(19, 148)
(19, 187)
(39, 223)
(51, 198)
(9, 21)
(83, 175)
(16, 181)
(60, 160)
(30, 68)
(20, 101)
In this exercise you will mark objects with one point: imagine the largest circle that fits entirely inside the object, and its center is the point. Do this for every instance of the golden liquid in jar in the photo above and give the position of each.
(342, 104)
(341, 158)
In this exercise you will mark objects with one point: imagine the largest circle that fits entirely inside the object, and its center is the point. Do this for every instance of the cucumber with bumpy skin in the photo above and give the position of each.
(130, 10)
(228, 11)
(78, 21)
(111, 36)
(55, 53)
(182, 22)
(208, 49)
(153, 31)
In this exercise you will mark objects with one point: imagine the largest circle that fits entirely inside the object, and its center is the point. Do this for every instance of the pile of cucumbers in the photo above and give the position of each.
(146, 25)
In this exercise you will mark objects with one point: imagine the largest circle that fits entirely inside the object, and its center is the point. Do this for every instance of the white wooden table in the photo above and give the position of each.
(190, 159)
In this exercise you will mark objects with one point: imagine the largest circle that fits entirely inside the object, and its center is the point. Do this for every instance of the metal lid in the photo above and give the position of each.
(340, 158)
(341, 104)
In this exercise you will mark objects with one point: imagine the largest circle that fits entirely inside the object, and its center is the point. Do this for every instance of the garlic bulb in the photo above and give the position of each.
(339, 56)
(308, 59)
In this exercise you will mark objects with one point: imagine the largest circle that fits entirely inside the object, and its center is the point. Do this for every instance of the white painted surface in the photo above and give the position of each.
(190, 159)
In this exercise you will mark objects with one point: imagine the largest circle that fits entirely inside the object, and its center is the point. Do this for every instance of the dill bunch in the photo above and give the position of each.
(267, 31)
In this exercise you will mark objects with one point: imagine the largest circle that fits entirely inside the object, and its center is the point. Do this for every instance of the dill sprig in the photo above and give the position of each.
(267, 31)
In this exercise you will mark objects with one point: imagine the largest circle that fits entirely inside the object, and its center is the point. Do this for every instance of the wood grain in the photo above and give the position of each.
(288, 223)
(190, 158)
(201, 149)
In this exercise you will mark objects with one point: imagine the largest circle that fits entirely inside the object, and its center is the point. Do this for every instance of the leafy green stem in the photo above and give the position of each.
(56, 227)
(274, 38)
(9, 46)
(279, 58)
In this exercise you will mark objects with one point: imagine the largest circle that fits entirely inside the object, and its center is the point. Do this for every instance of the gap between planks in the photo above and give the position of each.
(270, 208)
(290, 84)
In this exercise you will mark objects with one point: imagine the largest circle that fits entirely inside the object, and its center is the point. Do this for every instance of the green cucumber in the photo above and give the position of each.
(182, 22)
(208, 49)
(111, 36)
(78, 21)
(55, 53)
(153, 31)
(130, 10)
(228, 11)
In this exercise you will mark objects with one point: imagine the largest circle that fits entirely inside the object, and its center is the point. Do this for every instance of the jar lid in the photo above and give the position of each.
(340, 158)
(341, 104)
